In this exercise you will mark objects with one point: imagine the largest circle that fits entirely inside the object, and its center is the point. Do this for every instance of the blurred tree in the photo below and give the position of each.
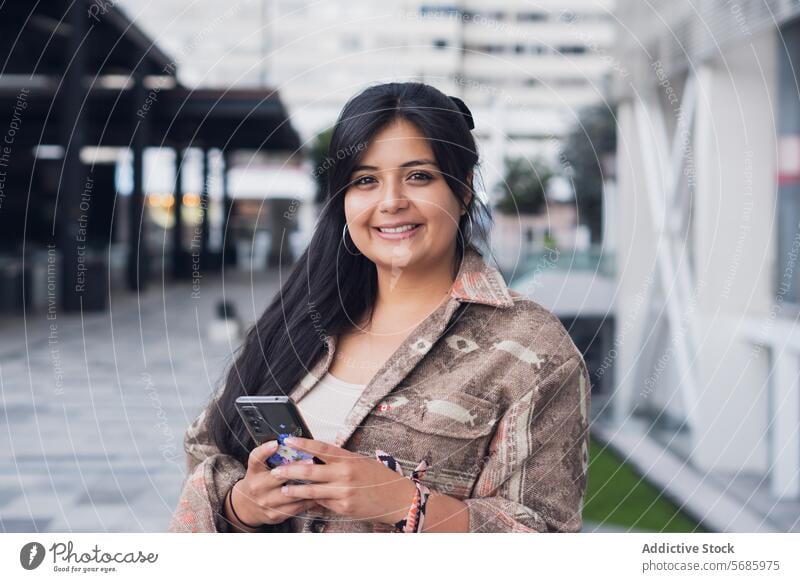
(585, 154)
(319, 154)
(524, 187)
(549, 241)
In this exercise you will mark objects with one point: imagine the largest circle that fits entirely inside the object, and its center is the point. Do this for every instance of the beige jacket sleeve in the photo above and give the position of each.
(534, 479)
(210, 475)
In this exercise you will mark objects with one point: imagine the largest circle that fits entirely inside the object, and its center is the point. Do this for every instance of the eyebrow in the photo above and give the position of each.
(405, 165)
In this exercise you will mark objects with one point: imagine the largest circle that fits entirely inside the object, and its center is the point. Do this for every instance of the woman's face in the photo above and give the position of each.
(399, 209)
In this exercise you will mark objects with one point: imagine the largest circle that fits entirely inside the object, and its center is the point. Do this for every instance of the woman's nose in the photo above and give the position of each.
(392, 197)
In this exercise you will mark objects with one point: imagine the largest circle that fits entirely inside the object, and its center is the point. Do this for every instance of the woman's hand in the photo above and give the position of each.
(257, 499)
(349, 484)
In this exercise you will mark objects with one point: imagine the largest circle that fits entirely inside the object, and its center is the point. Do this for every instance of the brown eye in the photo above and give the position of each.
(360, 181)
(421, 176)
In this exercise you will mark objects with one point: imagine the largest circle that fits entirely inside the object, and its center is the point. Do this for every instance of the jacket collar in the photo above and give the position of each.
(476, 282)
(479, 282)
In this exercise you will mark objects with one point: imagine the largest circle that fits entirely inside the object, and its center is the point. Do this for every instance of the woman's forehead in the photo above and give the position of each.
(397, 144)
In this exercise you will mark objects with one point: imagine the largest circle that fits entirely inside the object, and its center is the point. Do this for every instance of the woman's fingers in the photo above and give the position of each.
(305, 470)
(312, 491)
(264, 484)
(259, 455)
(265, 481)
(280, 513)
(327, 452)
(261, 493)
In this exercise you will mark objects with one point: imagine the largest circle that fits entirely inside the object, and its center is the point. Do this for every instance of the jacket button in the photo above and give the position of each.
(317, 525)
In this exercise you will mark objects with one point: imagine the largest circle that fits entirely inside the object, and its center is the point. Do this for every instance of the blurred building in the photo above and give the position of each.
(524, 68)
(707, 351)
(517, 238)
(84, 87)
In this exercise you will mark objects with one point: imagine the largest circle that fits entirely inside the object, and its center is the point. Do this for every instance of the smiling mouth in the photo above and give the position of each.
(398, 229)
(397, 233)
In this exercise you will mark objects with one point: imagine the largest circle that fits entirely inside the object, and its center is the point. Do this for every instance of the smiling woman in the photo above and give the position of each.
(399, 208)
(475, 394)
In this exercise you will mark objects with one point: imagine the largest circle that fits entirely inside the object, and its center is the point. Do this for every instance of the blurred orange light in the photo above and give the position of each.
(191, 200)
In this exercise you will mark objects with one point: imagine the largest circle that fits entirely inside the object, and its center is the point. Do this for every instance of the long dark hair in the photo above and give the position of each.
(328, 288)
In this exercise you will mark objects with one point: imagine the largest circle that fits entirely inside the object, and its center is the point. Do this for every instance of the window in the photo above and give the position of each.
(571, 82)
(572, 49)
(484, 15)
(567, 16)
(531, 16)
(351, 43)
(492, 48)
(425, 10)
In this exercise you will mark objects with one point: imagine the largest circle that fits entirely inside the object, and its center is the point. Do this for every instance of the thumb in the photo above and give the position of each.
(260, 454)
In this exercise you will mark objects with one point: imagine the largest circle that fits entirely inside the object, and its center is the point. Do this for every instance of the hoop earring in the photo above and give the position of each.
(344, 242)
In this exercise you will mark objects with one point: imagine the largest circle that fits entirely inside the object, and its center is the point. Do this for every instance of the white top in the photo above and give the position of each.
(327, 404)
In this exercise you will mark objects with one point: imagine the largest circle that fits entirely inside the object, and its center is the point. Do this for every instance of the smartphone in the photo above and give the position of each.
(275, 418)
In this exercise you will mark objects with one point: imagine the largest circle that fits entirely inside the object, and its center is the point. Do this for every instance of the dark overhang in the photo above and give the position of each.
(35, 55)
(224, 119)
(34, 39)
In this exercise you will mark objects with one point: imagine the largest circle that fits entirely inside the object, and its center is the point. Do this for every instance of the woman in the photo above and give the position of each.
(420, 357)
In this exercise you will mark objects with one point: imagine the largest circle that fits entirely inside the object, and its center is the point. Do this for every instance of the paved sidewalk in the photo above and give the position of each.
(93, 410)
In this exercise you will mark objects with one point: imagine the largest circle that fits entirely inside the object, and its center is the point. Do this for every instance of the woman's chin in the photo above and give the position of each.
(395, 255)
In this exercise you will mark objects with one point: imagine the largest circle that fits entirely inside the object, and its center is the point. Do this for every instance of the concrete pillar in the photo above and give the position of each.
(228, 242)
(138, 267)
(204, 206)
(179, 270)
(73, 177)
(636, 254)
(732, 245)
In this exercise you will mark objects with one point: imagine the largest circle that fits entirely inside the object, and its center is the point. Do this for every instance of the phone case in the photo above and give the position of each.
(266, 423)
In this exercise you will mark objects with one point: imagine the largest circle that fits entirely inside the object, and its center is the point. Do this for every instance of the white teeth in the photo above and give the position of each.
(404, 228)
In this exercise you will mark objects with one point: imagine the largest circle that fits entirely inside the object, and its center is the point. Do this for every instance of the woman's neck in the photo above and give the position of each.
(407, 296)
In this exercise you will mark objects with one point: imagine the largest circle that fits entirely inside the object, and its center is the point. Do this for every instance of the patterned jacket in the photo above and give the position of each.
(496, 391)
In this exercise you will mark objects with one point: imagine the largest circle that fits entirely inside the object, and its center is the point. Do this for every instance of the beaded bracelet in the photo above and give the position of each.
(413, 521)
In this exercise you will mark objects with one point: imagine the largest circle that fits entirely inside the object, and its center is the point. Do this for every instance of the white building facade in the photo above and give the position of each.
(524, 68)
(707, 231)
